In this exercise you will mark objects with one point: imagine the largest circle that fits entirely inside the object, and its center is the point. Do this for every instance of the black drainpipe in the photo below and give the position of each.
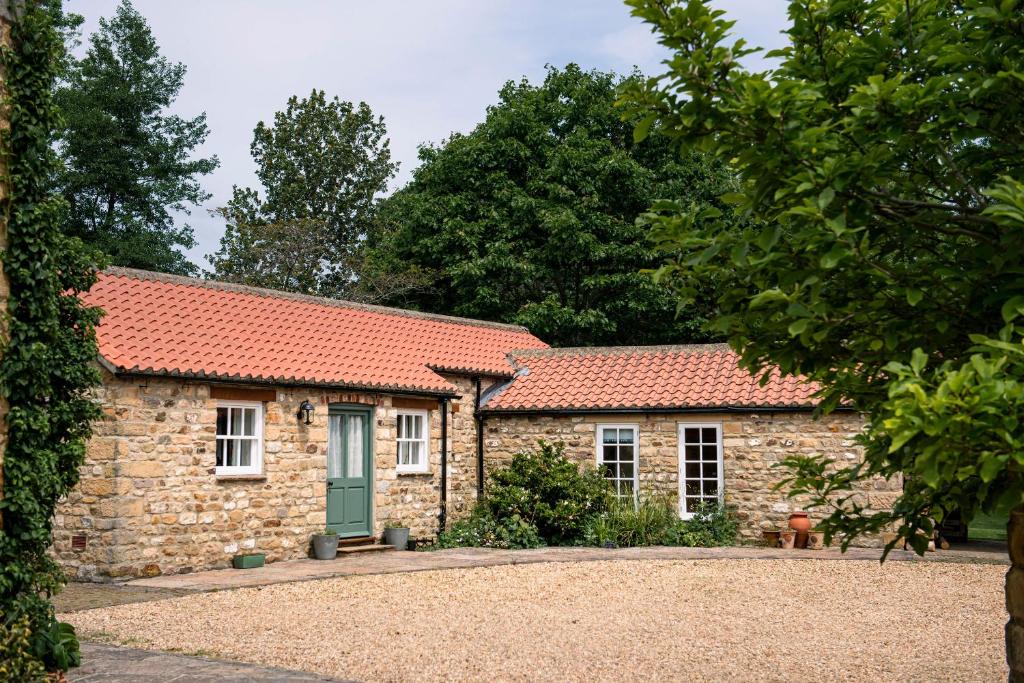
(443, 515)
(479, 418)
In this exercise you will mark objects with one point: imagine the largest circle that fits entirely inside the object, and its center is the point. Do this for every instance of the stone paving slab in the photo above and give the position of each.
(79, 596)
(109, 664)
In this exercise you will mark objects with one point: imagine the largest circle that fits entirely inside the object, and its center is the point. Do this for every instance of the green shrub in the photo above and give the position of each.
(482, 530)
(655, 521)
(711, 525)
(26, 655)
(16, 660)
(550, 492)
(651, 521)
(57, 646)
(543, 498)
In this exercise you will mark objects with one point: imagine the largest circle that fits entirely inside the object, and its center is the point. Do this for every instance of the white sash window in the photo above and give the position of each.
(700, 466)
(617, 456)
(239, 437)
(413, 434)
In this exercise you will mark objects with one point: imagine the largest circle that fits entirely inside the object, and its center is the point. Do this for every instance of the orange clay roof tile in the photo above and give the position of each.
(169, 325)
(636, 378)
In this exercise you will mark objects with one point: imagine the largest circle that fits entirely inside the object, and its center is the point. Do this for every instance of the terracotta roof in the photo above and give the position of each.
(654, 377)
(170, 325)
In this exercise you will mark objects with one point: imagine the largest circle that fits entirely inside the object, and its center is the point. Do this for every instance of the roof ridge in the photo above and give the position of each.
(139, 274)
(601, 350)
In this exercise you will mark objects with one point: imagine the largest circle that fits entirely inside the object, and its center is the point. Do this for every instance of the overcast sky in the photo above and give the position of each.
(429, 67)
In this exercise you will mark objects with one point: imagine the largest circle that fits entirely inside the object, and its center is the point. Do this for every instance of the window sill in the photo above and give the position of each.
(240, 477)
(414, 473)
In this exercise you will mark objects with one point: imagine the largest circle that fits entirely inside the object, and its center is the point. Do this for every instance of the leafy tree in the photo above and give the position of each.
(882, 163)
(530, 218)
(288, 255)
(322, 165)
(47, 350)
(128, 166)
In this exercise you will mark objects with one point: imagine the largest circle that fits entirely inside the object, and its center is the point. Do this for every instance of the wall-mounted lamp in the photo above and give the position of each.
(306, 412)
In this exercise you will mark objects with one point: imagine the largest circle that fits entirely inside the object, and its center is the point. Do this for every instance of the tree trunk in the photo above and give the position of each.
(1015, 596)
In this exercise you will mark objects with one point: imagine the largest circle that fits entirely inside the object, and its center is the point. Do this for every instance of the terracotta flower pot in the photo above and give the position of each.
(787, 539)
(815, 540)
(799, 521)
(771, 538)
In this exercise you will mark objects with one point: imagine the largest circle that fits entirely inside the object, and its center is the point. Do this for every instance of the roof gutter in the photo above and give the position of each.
(659, 410)
(470, 372)
(203, 377)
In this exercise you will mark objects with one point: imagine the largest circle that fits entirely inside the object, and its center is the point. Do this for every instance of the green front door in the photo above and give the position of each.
(349, 470)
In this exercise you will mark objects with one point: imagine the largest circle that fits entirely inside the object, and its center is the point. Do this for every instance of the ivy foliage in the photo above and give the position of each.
(47, 366)
(881, 163)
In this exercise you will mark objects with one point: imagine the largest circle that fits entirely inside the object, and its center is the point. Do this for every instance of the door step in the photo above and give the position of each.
(369, 548)
(359, 540)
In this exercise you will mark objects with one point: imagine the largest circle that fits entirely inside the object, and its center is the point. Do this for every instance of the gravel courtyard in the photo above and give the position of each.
(703, 620)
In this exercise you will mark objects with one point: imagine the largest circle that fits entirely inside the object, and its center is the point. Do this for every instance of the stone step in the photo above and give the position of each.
(359, 540)
(354, 549)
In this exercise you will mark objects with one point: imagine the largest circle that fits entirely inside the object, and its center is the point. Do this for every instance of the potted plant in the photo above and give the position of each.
(771, 537)
(325, 544)
(396, 535)
(815, 539)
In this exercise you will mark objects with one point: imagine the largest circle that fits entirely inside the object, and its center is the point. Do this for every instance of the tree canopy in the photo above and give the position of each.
(883, 161)
(128, 167)
(881, 164)
(530, 217)
(322, 165)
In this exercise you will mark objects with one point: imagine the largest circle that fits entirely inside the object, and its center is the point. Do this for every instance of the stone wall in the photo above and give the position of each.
(149, 501)
(752, 444)
(462, 459)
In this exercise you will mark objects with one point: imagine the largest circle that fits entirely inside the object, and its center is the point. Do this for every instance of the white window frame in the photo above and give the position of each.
(256, 466)
(424, 464)
(599, 443)
(680, 426)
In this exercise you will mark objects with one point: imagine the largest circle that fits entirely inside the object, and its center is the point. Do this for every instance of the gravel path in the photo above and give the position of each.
(738, 620)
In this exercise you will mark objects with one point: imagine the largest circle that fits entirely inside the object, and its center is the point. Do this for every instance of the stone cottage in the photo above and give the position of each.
(239, 419)
(685, 421)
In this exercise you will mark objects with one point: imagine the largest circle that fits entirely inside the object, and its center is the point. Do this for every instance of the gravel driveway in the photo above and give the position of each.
(737, 620)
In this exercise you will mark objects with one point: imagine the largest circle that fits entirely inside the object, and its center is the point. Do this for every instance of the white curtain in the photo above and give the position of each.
(355, 447)
(334, 450)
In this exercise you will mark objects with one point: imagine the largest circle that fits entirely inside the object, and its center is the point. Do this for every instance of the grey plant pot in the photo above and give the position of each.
(325, 547)
(399, 538)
